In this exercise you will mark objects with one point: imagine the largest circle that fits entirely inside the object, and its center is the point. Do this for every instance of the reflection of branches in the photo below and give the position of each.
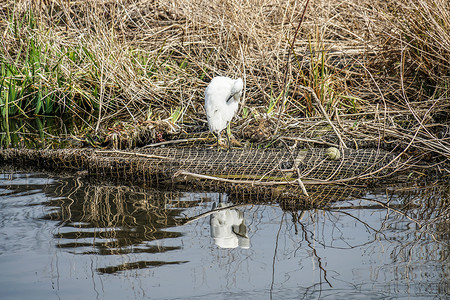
(113, 219)
(319, 260)
(427, 209)
(344, 241)
(357, 219)
(208, 213)
(394, 209)
(421, 224)
(275, 255)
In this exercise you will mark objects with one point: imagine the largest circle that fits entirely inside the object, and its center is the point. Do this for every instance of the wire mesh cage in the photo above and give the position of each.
(269, 173)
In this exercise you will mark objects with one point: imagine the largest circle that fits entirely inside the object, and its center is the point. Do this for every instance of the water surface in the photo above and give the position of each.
(63, 238)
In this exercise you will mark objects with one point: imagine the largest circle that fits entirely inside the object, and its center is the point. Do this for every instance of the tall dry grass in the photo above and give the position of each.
(134, 60)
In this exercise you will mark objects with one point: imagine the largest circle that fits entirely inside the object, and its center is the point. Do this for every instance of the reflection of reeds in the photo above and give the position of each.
(137, 265)
(426, 207)
(433, 215)
(112, 220)
(116, 220)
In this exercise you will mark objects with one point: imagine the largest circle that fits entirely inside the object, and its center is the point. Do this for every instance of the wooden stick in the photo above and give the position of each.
(133, 154)
(260, 183)
(174, 142)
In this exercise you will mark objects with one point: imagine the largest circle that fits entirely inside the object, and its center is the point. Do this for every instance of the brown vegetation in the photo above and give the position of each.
(380, 71)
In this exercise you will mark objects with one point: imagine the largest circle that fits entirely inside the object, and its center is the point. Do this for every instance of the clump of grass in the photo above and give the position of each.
(95, 79)
(328, 82)
(39, 132)
(33, 79)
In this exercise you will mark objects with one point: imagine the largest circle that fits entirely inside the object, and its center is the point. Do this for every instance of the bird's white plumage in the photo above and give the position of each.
(222, 97)
(228, 228)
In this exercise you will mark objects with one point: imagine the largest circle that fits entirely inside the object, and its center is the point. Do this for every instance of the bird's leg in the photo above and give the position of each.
(228, 135)
(232, 141)
(218, 140)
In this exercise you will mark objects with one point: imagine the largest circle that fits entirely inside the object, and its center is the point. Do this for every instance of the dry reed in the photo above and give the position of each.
(380, 70)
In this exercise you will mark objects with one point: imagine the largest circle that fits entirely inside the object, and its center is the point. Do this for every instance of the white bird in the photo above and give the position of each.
(222, 96)
(228, 227)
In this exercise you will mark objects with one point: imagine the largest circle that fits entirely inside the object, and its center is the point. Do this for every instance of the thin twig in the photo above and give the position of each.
(134, 154)
(299, 180)
(288, 61)
(275, 255)
(324, 113)
(208, 213)
(174, 142)
(311, 246)
(264, 183)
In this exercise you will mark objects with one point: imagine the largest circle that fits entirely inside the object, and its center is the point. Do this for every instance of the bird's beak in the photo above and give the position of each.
(237, 96)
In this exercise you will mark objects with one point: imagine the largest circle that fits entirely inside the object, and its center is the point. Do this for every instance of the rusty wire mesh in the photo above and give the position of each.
(267, 173)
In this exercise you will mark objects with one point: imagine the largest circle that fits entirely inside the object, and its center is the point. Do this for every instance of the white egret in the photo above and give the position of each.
(222, 96)
(228, 227)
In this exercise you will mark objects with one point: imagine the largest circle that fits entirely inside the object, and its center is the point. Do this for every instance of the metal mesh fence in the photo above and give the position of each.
(269, 173)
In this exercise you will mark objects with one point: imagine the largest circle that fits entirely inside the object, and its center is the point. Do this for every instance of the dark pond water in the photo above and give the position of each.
(62, 238)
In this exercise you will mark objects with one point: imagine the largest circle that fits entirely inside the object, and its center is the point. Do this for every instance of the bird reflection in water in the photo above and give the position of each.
(228, 227)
